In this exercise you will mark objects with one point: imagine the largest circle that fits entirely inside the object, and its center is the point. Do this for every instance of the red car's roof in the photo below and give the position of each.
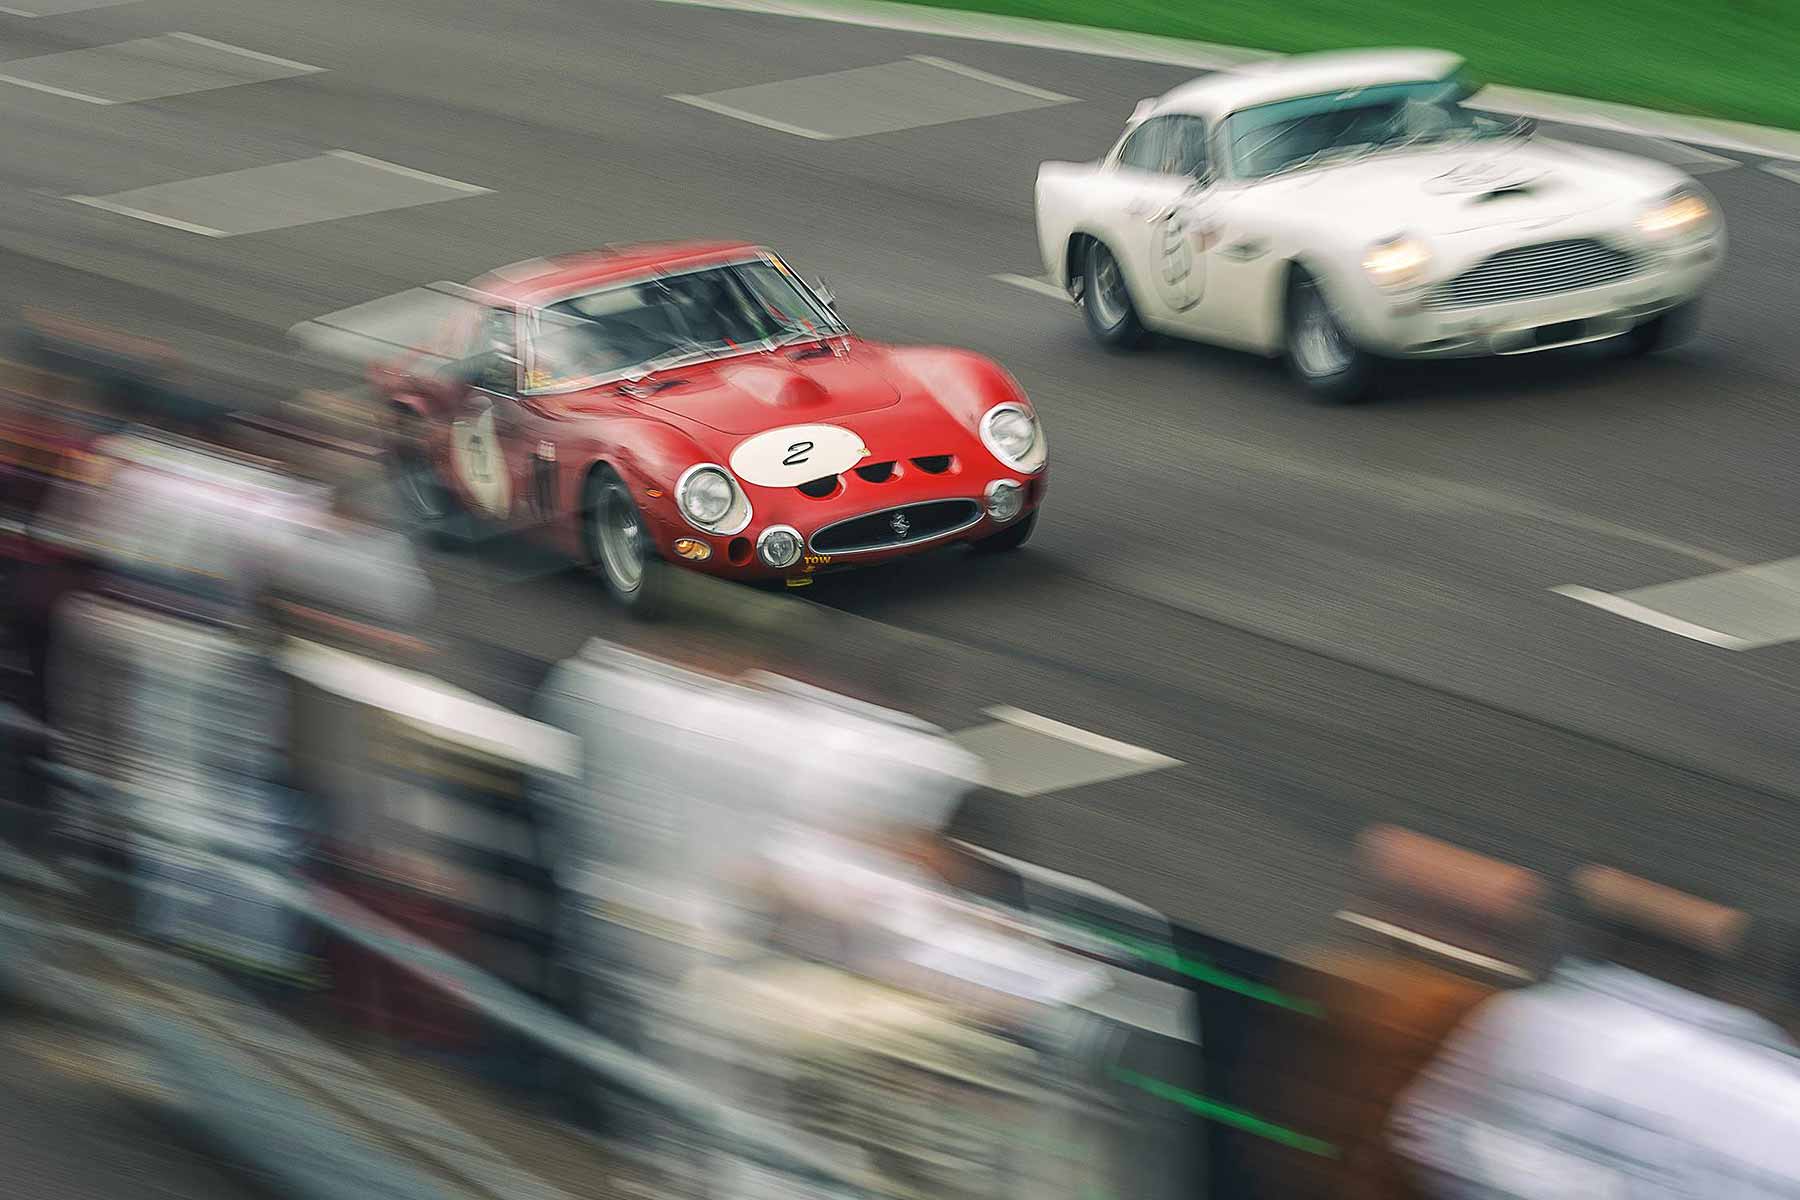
(537, 279)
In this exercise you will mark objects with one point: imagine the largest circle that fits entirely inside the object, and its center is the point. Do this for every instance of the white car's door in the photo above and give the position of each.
(1139, 190)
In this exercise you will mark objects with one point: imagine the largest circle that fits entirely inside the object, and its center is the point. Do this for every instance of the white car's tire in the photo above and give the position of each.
(1664, 331)
(1106, 299)
(1320, 352)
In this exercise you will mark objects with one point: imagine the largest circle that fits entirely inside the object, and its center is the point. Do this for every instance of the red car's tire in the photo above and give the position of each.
(1010, 538)
(616, 540)
(424, 499)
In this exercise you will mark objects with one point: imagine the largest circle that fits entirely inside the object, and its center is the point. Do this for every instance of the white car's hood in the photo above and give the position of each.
(1451, 190)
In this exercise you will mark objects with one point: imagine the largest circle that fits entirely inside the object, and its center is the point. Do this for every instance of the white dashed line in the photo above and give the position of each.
(1081, 737)
(1633, 611)
(1444, 949)
(54, 91)
(1042, 287)
(738, 114)
(1786, 171)
(154, 218)
(258, 55)
(1000, 81)
(408, 172)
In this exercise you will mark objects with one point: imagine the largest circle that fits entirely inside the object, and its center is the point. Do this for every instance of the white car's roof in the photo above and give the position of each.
(1298, 75)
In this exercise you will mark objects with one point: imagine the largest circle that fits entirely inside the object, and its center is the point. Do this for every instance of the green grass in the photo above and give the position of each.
(1736, 59)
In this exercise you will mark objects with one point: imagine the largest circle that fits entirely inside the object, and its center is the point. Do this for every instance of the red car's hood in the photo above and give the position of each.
(747, 395)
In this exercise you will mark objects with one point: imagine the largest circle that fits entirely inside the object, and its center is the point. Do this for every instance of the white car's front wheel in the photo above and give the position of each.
(1665, 331)
(1106, 300)
(1320, 351)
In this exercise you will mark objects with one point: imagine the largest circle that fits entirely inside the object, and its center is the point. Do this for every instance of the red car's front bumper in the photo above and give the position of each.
(856, 526)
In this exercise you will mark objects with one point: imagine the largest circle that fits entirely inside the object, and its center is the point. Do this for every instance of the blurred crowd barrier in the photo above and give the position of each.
(700, 899)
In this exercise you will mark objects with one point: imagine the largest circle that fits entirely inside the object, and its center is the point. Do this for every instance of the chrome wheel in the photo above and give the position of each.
(621, 536)
(1320, 348)
(1107, 289)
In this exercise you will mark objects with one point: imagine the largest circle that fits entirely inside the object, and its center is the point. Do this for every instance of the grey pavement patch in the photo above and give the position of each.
(882, 99)
(1029, 755)
(1734, 610)
(1789, 173)
(56, 8)
(172, 64)
(334, 185)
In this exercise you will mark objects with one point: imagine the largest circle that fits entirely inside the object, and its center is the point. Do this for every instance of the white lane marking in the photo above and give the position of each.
(999, 81)
(1789, 173)
(725, 110)
(456, 185)
(1401, 934)
(54, 91)
(154, 218)
(19, 12)
(1042, 287)
(1081, 737)
(258, 55)
(1633, 611)
(1069, 883)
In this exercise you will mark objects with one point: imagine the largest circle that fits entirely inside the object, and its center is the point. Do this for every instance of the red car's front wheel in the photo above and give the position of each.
(620, 547)
(1010, 538)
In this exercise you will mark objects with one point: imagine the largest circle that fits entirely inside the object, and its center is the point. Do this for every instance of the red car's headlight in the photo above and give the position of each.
(1010, 432)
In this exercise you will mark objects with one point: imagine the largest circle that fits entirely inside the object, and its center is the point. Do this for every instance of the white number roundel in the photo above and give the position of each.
(481, 463)
(794, 454)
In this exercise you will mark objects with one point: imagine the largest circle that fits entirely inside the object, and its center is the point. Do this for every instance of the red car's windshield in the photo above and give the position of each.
(718, 310)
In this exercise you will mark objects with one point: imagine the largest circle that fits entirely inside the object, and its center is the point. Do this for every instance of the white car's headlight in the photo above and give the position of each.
(710, 500)
(1011, 434)
(1397, 261)
(1684, 212)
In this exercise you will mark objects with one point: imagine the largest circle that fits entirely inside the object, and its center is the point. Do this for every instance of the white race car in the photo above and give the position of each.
(1345, 207)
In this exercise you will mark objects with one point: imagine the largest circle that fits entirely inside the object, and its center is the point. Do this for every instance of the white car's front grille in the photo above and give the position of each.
(1529, 271)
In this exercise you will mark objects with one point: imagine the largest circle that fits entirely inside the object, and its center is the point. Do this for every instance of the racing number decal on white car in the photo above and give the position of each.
(796, 454)
(1182, 274)
(481, 463)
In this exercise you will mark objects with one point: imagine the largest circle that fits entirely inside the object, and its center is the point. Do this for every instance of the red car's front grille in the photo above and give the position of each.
(901, 526)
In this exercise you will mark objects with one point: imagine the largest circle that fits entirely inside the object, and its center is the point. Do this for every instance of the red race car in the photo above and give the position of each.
(699, 405)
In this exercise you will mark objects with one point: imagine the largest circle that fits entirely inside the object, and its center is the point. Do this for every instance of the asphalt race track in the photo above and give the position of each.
(1328, 617)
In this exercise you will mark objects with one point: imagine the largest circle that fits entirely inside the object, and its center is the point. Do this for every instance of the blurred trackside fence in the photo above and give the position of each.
(1180, 1050)
(432, 893)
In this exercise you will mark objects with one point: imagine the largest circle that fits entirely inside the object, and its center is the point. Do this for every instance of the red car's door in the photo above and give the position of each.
(489, 443)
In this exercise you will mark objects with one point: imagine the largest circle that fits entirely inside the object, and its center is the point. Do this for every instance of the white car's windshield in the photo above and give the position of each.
(632, 329)
(1289, 134)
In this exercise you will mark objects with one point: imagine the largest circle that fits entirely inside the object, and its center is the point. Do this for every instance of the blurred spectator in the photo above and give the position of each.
(899, 1027)
(676, 769)
(162, 678)
(1429, 931)
(1619, 1075)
